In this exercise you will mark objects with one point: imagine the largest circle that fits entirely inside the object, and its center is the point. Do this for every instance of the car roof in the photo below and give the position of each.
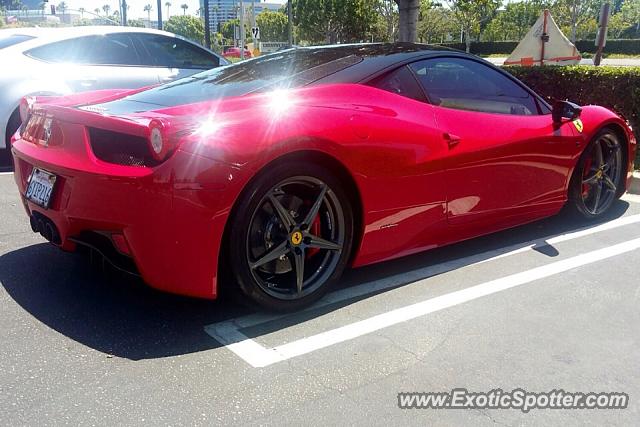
(48, 35)
(375, 57)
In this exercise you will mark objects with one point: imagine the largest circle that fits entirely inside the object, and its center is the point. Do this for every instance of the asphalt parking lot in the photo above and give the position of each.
(550, 305)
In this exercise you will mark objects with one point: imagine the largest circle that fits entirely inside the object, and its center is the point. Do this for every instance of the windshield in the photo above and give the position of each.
(287, 69)
(13, 40)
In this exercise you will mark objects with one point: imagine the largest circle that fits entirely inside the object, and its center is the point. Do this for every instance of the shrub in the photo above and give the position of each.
(617, 88)
(628, 47)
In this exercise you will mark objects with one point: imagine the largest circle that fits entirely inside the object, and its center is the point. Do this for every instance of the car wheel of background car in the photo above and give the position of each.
(597, 179)
(13, 124)
(291, 236)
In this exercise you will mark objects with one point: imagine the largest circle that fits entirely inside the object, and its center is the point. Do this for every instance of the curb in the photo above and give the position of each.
(634, 188)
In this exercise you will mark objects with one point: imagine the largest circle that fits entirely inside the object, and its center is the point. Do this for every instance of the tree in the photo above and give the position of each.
(106, 9)
(573, 13)
(473, 16)
(184, 7)
(435, 22)
(167, 5)
(148, 8)
(82, 10)
(135, 23)
(97, 11)
(273, 26)
(630, 12)
(514, 21)
(228, 30)
(334, 21)
(408, 12)
(388, 11)
(186, 26)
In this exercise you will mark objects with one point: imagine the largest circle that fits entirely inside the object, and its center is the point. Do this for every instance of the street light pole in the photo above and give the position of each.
(241, 30)
(290, 22)
(253, 24)
(123, 13)
(207, 29)
(159, 5)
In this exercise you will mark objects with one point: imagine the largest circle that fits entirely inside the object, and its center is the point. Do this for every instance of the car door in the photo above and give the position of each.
(407, 212)
(96, 62)
(173, 58)
(507, 159)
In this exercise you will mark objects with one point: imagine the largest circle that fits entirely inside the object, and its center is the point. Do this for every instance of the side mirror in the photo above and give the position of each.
(565, 110)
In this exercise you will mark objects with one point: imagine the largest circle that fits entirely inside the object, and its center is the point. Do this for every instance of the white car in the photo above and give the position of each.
(59, 61)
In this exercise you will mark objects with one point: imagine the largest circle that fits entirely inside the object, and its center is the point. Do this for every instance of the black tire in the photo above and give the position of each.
(598, 179)
(6, 159)
(258, 231)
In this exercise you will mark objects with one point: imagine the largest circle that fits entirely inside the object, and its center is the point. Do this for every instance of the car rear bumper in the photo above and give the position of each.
(171, 218)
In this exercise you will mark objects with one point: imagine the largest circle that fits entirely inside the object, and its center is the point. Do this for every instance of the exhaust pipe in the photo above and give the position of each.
(43, 225)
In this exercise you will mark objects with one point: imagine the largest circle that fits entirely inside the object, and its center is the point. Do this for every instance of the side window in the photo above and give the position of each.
(59, 52)
(163, 51)
(402, 82)
(465, 84)
(113, 49)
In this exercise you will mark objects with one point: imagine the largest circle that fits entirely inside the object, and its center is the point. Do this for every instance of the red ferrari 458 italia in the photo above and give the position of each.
(279, 172)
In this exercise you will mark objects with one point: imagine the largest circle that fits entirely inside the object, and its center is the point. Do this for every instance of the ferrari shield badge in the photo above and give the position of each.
(578, 124)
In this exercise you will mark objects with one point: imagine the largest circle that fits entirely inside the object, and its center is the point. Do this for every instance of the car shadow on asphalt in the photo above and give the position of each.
(120, 316)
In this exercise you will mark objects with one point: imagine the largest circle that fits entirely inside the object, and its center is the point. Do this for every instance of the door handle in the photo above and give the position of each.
(452, 140)
(88, 81)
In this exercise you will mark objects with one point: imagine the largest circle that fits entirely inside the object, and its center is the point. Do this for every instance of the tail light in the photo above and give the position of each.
(26, 107)
(161, 144)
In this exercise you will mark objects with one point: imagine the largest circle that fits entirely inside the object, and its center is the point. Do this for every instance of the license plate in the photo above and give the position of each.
(40, 187)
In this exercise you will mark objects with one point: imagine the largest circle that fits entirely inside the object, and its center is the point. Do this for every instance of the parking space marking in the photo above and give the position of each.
(625, 220)
(228, 332)
(6, 173)
(443, 267)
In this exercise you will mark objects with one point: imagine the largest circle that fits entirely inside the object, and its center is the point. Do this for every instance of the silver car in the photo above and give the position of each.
(59, 61)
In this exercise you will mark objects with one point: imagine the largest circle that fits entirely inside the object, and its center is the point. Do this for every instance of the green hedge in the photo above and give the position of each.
(617, 88)
(485, 48)
(629, 47)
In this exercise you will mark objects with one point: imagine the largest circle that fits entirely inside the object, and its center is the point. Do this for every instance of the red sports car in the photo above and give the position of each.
(235, 52)
(277, 173)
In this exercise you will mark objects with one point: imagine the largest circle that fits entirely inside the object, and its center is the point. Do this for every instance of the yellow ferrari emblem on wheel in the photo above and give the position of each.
(578, 124)
(296, 238)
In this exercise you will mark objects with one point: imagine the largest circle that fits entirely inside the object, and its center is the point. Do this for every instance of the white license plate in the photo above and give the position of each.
(40, 187)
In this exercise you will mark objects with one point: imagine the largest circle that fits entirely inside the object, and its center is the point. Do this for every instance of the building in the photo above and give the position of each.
(221, 11)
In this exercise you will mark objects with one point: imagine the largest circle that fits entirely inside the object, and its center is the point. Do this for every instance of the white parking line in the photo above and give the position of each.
(6, 173)
(228, 332)
(433, 270)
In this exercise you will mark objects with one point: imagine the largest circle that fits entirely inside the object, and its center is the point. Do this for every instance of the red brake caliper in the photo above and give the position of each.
(315, 230)
(587, 169)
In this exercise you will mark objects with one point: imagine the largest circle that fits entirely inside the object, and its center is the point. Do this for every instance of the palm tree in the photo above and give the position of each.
(25, 9)
(148, 8)
(184, 7)
(43, 5)
(81, 10)
(168, 5)
(63, 7)
(97, 11)
(106, 9)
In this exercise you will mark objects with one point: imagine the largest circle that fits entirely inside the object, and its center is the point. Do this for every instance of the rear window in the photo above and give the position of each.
(13, 40)
(287, 69)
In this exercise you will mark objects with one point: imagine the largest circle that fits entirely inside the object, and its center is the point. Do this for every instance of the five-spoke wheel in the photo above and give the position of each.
(293, 237)
(600, 175)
